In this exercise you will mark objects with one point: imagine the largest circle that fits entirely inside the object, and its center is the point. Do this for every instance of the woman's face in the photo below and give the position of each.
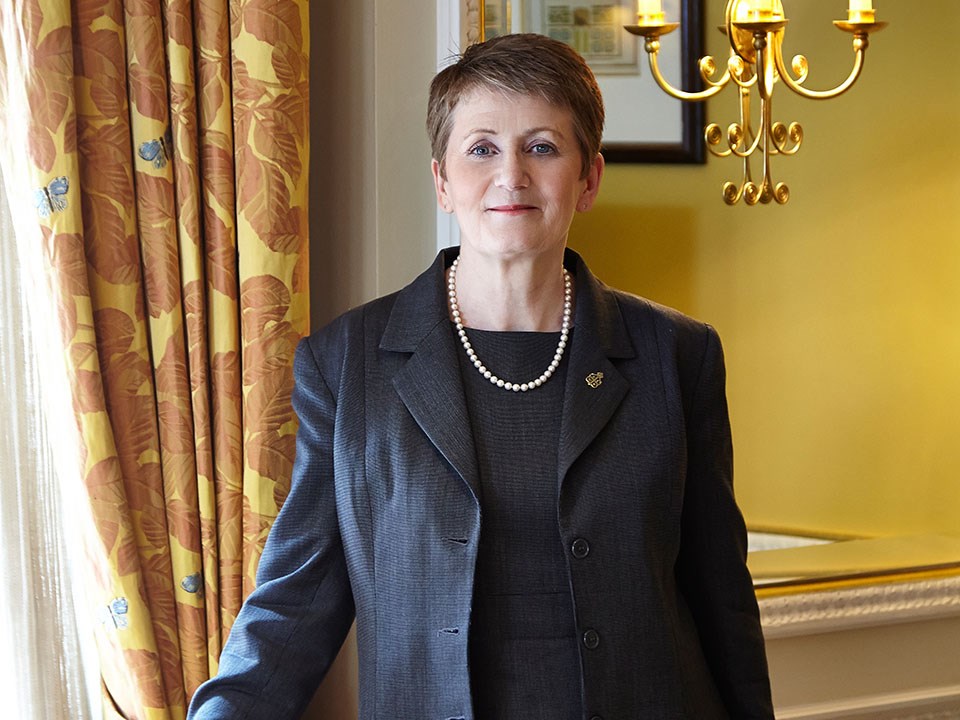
(513, 174)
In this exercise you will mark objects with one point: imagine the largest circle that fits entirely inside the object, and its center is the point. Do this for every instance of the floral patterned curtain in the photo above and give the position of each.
(156, 150)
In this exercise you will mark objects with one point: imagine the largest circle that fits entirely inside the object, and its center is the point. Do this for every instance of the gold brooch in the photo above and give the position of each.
(594, 380)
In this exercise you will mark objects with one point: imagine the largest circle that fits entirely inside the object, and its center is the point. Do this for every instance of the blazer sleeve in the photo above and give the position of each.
(711, 565)
(293, 624)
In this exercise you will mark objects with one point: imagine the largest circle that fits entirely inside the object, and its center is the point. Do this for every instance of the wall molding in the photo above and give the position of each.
(936, 703)
(855, 607)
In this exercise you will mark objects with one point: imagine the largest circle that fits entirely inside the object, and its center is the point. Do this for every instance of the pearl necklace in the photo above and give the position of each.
(472, 355)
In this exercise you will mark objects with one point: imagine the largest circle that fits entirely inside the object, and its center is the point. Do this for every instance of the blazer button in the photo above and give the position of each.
(591, 639)
(596, 717)
(580, 548)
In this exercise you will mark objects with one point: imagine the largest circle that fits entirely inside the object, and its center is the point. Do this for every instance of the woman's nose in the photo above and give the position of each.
(513, 173)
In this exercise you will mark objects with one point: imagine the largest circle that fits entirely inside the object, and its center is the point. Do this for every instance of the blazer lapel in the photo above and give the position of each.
(594, 386)
(429, 383)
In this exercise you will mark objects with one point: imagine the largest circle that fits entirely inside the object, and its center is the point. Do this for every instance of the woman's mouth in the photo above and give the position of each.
(512, 209)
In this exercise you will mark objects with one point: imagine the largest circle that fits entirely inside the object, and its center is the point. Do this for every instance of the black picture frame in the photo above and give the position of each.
(691, 149)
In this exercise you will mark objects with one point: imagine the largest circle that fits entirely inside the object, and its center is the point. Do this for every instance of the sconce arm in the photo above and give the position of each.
(796, 87)
(673, 92)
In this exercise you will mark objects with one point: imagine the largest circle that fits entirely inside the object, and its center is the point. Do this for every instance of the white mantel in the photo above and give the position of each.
(881, 650)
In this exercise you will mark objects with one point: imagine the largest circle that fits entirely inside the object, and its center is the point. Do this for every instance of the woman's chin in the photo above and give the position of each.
(509, 244)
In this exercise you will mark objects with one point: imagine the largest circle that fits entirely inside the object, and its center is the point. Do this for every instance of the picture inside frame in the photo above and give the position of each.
(594, 29)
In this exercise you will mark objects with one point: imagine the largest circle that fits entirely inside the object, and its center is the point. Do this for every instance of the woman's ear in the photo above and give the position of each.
(440, 184)
(592, 187)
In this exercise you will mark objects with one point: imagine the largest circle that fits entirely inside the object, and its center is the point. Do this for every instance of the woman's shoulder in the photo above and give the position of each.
(638, 311)
(639, 314)
(337, 348)
(393, 322)
(690, 347)
(682, 342)
(631, 326)
(354, 324)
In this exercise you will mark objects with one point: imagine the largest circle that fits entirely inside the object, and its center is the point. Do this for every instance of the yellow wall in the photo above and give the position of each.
(840, 312)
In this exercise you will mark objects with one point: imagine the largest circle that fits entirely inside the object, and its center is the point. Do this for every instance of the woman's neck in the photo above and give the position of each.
(510, 295)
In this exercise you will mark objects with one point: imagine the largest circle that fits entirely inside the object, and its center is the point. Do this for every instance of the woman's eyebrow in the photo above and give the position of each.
(544, 128)
(528, 131)
(479, 131)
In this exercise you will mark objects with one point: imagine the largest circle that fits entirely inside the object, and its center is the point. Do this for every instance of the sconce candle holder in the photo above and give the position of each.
(755, 29)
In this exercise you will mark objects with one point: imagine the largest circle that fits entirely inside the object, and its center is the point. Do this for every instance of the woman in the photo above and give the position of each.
(587, 429)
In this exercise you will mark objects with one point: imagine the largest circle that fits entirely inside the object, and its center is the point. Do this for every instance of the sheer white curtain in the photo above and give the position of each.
(46, 671)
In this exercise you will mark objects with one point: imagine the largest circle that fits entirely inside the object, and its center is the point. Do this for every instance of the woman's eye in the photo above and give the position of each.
(542, 149)
(479, 150)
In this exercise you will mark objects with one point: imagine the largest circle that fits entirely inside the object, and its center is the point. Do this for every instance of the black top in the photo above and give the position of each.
(524, 660)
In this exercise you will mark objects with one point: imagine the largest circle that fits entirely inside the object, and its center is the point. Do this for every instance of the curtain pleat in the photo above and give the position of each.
(221, 495)
(164, 146)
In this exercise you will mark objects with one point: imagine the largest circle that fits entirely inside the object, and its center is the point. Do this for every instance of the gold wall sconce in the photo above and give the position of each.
(755, 29)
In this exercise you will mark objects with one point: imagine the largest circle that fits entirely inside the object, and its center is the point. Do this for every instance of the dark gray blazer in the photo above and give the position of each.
(382, 521)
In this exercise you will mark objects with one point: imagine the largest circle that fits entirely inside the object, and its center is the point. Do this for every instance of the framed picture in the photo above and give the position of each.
(644, 124)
